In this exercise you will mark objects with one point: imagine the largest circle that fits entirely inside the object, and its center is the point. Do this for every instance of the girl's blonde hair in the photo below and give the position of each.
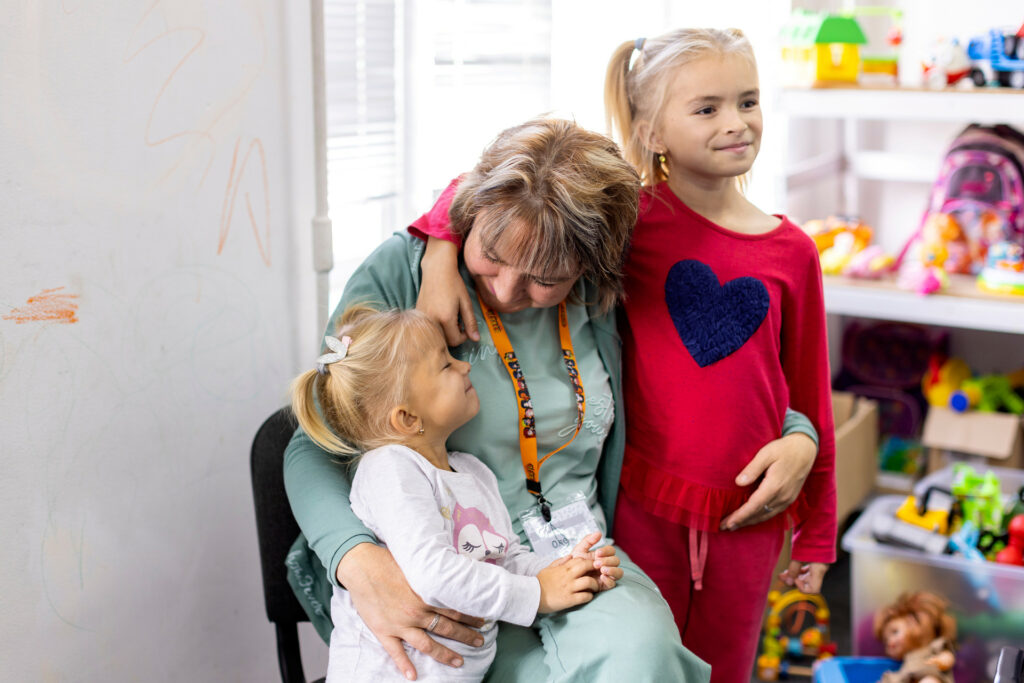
(637, 90)
(356, 394)
(574, 189)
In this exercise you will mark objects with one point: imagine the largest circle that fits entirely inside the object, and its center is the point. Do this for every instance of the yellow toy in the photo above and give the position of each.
(943, 377)
(819, 48)
(796, 632)
(932, 520)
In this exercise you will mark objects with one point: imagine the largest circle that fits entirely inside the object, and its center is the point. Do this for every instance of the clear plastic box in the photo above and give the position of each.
(986, 598)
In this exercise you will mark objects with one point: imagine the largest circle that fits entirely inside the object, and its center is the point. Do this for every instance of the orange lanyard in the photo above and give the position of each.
(526, 425)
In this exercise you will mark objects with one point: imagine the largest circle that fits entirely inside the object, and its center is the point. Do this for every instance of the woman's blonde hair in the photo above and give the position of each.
(570, 185)
(637, 89)
(356, 394)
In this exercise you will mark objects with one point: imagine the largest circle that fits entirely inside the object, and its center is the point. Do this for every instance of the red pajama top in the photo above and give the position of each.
(723, 331)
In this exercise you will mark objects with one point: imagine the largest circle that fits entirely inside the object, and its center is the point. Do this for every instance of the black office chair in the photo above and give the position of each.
(277, 529)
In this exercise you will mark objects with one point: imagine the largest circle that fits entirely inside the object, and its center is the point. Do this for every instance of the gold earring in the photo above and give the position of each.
(661, 158)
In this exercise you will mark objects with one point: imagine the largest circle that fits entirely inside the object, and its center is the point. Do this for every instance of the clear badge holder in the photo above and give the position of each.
(570, 522)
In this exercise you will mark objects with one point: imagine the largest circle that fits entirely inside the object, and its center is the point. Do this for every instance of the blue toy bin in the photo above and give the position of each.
(853, 669)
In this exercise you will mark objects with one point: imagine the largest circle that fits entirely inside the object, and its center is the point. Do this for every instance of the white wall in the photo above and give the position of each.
(151, 190)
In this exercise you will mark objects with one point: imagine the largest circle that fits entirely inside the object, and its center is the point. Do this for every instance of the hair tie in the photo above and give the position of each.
(339, 349)
(638, 49)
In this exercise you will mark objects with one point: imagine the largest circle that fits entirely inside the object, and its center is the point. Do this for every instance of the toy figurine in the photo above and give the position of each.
(1013, 553)
(917, 631)
(947, 62)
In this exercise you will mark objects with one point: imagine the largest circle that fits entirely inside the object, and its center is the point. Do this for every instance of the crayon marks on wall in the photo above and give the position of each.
(49, 305)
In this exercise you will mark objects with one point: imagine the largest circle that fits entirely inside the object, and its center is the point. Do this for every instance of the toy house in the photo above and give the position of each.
(819, 48)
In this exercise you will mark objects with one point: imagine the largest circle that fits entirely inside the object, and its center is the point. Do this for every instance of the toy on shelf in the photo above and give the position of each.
(999, 58)
(944, 376)
(989, 394)
(976, 201)
(917, 630)
(1013, 553)
(1004, 269)
(795, 634)
(900, 454)
(878, 63)
(819, 48)
(946, 64)
(844, 247)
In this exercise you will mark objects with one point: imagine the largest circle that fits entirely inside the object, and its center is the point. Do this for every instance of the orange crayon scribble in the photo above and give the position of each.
(48, 305)
(231, 193)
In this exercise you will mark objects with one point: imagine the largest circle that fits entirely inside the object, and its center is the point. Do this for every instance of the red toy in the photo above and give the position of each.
(1013, 553)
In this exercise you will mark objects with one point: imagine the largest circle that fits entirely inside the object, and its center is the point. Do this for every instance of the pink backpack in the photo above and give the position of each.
(977, 200)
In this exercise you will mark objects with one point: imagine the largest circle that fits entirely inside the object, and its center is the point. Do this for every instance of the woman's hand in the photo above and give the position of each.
(785, 464)
(443, 295)
(394, 613)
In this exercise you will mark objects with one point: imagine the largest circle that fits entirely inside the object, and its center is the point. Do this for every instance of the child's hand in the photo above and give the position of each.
(443, 295)
(806, 578)
(605, 562)
(566, 583)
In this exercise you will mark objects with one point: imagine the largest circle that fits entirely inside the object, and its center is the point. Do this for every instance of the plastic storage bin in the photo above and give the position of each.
(986, 598)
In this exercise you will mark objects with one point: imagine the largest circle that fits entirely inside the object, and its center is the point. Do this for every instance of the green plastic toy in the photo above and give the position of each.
(980, 498)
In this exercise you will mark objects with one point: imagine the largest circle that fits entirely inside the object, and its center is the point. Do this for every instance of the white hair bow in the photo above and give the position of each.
(339, 349)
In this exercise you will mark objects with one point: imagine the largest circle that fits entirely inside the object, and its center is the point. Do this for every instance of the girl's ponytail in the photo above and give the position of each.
(618, 114)
(305, 390)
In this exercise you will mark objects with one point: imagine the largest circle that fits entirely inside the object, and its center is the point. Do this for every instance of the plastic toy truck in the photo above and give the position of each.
(998, 58)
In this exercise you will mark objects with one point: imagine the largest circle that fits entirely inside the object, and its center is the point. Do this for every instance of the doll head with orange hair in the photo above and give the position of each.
(917, 630)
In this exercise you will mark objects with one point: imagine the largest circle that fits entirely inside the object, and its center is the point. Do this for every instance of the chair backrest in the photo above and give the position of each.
(277, 530)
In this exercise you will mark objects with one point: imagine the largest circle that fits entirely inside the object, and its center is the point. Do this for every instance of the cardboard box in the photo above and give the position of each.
(856, 420)
(994, 438)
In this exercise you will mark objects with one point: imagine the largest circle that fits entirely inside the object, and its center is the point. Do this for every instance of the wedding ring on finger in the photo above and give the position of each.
(433, 624)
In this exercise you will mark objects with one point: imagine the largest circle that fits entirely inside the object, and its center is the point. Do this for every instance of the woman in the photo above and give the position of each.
(545, 217)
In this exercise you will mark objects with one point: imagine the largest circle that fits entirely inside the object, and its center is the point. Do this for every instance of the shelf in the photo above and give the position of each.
(980, 105)
(961, 305)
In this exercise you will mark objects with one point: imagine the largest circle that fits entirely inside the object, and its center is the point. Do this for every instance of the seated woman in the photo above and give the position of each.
(545, 218)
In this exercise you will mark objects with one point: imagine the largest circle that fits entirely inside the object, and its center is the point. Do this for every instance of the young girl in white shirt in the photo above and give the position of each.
(389, 388)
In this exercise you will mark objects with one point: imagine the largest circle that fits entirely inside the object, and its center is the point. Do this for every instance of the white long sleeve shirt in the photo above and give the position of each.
(451, 535)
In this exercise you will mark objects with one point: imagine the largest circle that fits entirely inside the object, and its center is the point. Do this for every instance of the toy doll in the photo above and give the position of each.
(916, 630)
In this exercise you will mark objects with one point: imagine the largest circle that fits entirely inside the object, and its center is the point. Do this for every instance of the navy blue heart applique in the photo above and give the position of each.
(713, 320)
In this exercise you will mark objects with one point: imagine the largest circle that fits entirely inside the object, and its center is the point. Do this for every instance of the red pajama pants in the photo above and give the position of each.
(720, 622)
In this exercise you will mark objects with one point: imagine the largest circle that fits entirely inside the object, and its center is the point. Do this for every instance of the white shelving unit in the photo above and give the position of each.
(962, 305)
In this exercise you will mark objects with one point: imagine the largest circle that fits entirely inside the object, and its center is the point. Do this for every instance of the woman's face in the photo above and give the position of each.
(505, 287)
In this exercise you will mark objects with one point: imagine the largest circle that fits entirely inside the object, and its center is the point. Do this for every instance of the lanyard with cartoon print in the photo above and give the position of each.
(527, 429)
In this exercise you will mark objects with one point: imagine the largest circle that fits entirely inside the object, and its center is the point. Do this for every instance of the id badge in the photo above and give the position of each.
(570, 522)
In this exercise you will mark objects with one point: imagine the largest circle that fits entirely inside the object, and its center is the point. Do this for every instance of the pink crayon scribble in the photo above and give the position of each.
(48, 305)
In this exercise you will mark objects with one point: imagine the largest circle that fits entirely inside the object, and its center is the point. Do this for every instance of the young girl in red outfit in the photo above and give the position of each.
(724, 328)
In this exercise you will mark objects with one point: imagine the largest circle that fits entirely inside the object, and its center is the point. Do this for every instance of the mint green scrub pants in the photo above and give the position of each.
(625, 634)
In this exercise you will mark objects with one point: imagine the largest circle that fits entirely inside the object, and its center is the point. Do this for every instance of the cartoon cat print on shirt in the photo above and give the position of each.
(474, 535)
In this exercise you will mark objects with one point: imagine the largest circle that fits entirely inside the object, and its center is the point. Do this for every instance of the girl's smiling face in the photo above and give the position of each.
(440, 391)
(711, 124)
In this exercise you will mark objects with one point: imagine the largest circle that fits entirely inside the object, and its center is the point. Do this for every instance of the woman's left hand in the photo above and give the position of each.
(785, 464)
